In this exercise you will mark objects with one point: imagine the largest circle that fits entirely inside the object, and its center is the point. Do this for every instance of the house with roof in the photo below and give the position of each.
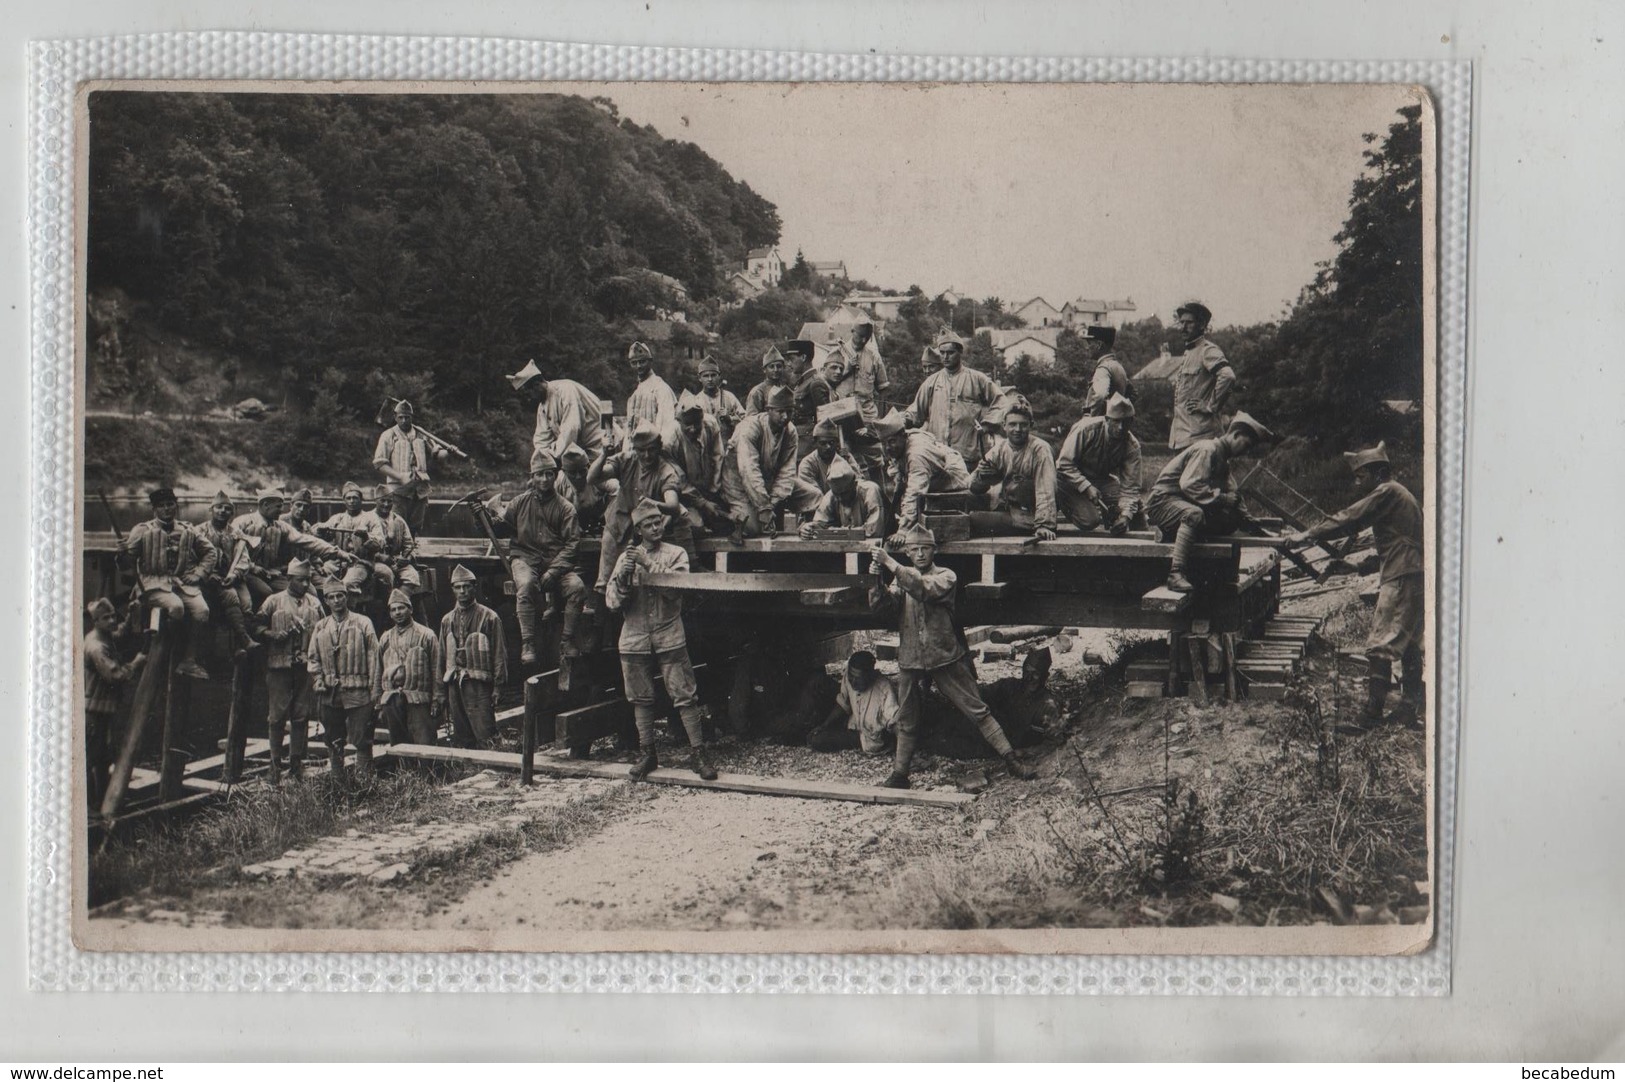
(829, 268)
(743, 286)
(1085, 312)
(1162, 366)
(879, 306)
(845, 317)
(764, 266)
(1038, 313)
(1035, 343)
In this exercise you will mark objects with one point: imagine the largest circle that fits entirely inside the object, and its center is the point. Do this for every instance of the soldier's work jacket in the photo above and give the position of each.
(1202, 385)
(811, 390)
(280, 541)
(1199, 473)
(1090, 456)
(571, 414)
(344, 654)
(409, 665)
(360, 533)
(104, 674)
(231, 557)
(1026, 478)
(176, 557)
(722, 404)
(756, 397)
(766, 462)
(866, 381)
(300, 615)
(815, 471)
(472, 646)
(700, 460)
(408, 455)
(399, 544)
(949, 405)
(866, 508)
(930, 466)
(1395, 520)
(653, 401)
(652, 619)
(544, 530)
(1110, 378)
(927, 637)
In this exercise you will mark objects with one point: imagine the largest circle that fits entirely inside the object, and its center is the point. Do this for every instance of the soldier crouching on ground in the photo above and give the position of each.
(653, 640)
(1098, 472)
(1395, 520)
(476, 660)
(290, 618)
(931, 645)
(343, 664)
(1195, 495)
(105, 678)
(864, 716)
(543, 525)
(409, 692)
(171, 560)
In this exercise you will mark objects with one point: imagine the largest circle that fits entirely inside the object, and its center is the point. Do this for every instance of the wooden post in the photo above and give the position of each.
(177, 701)
(148, 690)
(1175, 648)
(1229, 641)
(1197, 646)
(237, 722)
(527, 734)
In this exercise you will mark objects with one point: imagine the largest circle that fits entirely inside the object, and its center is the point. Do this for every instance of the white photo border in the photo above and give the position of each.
(57, 68)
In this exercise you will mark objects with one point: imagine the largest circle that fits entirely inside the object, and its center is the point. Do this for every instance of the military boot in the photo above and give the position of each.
(1376, 695)
(702, 765)
(1184, 541)
(902, 760)
(298, 734)
(646, 765)
(527, 651)
(335, 761)
(363, 762)
(1017, 768)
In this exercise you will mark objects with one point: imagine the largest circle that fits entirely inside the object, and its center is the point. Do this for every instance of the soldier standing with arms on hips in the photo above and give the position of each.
(1395, 519)
(652, 638)
(343, 663)
(171, 560)
(476, 660)
(930, 644)
(409, 692)
(290, 619)
(105, 677)
(403, 456)
(951, 400)
(1202, 382)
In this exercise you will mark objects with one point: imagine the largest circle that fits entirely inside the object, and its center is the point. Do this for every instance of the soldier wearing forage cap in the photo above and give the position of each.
(359, 533)
(274, 542)
(301, 506)
(566, 412)
(773, 375)
(171, 562)
(542, 523)
(760, 478)
(223, 585)
(1202, 382)
(403, 456)
(922, 464)
(409, 693)
(930, 644)
(475, 663)
(343, 664)
(290, 619)
(587, 499)
(1023, 466)
(105, 677)
(1098, 472)
(652, 399)
(1195, 495)
(850, 502)
(719, 402)
(1395, 519)
(1110, 377)
(642, 472)
(700, 454)
(949, 402)
(400, 547)
(826, 451)
(652, 638)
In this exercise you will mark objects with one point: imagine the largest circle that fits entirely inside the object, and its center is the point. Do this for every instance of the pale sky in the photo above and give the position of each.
(1229, 195)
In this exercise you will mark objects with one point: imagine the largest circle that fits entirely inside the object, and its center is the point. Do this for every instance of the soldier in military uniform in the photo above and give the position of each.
(357, 532)
(773, 376)
(476, 663)
(171, 561)
(274, 542)
(950, 401)
(1023, 466)
(105, 679)
(300, 509)
(851, 502)
(566, 412)
(701, 455)
(826, 451)
(652, 400)
(1195, 495)
(290, 618)
(809, 390)
(641, 472)
(721, 404)
(223, 585)
(400, 547)
(409, 693)
(1098, 472)
(1202, 382)
(343, 665)
(760, 479)
(543, 525)
(403, 456)
(1110, 377)
(920, 464)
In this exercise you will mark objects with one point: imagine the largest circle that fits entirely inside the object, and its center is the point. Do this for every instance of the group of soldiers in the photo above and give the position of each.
(808, 449)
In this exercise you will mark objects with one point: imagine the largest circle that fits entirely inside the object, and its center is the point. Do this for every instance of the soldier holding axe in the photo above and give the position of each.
(403, 456)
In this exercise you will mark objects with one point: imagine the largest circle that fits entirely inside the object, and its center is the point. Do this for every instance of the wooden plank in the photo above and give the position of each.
(987, 591)
(833, 595)
(752, 582)
(1145, 689)
(738, 783)
(1253, 574)
(1198, 651)
(148, 689)
(585, 724)
(177, 724)
(1165, 600)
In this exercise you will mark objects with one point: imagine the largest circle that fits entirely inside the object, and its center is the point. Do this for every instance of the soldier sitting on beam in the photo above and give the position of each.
(1195, 495)
(543, 525)
(920, 463)
(1023, 467)
(1098, 472)
(171, 559)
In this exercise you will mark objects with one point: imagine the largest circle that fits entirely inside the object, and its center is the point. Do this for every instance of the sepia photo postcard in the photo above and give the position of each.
(756, 517)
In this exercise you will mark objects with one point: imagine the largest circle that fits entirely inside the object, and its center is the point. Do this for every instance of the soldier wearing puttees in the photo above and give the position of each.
(644, 473)
(403, 456)
(1195, 495)
(409, 693)
(290, 618)
(652, 399)
(652, 638)
(476, 663)
(1202, 382)
(851, 502)
(566, 412)
(719, 403)
(826, 451)
(701, 455)
(950, 401)
(1110, 377)
(105, 678)
(543, 525)
(359, 533)
(930, 644)
(223, 585)
(343, 664)
(400, 547)
(760, 478)
(275, 542)
(774, 368)
(1394, 517)
(171, 561)
(1098, 472)
(923, 464)
(1023, 466)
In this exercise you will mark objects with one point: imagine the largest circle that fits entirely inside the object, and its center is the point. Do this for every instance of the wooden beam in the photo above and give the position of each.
(1163, 599)
(833, 595)
(738, 783)
(583, 725)
(987, 591)
(752, 582)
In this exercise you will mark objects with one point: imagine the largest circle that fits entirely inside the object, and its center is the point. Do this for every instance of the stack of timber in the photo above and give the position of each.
(1264, 664)
(1270, 662)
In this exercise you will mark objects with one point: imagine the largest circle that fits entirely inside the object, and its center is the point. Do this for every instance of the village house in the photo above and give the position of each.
(744, 288)
(880, 306)
(1084, 312)
(1035, 343)
(1038, 313)
(829, 268)
(765, 267)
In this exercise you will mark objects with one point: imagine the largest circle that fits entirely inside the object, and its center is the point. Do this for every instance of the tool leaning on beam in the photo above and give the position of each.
(386, 414)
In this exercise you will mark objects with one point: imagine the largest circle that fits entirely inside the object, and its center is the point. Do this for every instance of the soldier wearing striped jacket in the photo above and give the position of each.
(475, 663)
(343, 664)
(171, 560)
(277, 541)
(290, 619)
(409, 692)
(223, 585)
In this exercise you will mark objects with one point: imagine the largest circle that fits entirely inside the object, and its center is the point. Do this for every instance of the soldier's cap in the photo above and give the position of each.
(862, 660)
(398, 597)
(222, 500)
(161, 495)
(993, 417)
(645, 510)
(266, 494)
(1097, 333)
(835, 357)
(772, 354)
(918, 535)
(841, 475)
(948, 340)
(349, 487)
(825, 430)
(462, 574)
(1019, 406)
(573, 452)
(1371, 456)
(930, 358)
(709, 364)
(644, 434)
(890, 425)
(298, 569)
(689, 405)
(780, 398)
(639, 349)
(335, 585)
(1244, 421)
(383, 492)
(1197, 309)
(306, 495)
(801, 347)
(1119, 408)
(542, 459)
(100, 607)
(524, 375)
(403, 406)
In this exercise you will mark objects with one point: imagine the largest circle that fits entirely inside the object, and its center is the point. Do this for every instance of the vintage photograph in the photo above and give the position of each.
(756, 517)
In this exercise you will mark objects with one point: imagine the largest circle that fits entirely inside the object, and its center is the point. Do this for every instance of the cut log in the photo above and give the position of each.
(1023, 631)
(751, 582)
(739, 783)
